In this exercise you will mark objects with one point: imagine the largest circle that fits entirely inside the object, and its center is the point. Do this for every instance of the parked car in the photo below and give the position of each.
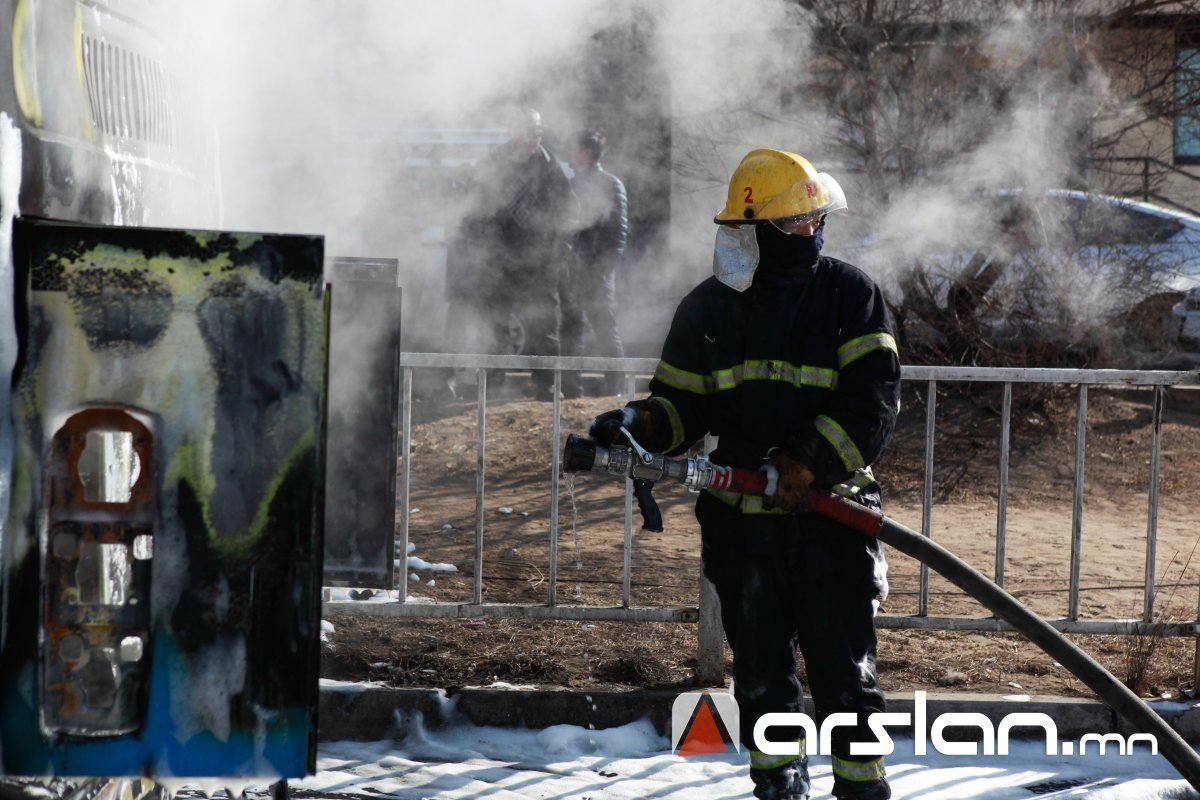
(1188, 312)
(1010, 270)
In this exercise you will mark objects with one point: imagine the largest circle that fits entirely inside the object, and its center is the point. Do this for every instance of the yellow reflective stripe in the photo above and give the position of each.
(682, 379)
(803, 375)
(27, 98)
(861, 479)
(857, 348)
(858, 770)
(774, 370)
(77, 38)
(819, 377)
(841, 442)
(764, 761)
(676, 421)
(732, 377)
(752, 504)
(724, 379)
(728, 498)
(748, 503)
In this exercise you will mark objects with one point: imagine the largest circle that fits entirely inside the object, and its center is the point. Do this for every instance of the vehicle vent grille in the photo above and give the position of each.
(127, 93)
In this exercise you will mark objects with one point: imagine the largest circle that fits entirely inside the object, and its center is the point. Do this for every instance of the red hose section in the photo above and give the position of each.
(740, 481)
(852, 515)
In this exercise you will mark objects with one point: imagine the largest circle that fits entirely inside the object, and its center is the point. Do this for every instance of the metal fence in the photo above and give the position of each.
(705, 612)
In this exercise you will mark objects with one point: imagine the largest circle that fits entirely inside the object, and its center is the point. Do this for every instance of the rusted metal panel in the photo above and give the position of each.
(96, 582)
(162, 553)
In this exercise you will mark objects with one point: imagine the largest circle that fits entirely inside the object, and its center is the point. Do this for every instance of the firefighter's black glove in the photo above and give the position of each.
(788, 483)
(637, 418)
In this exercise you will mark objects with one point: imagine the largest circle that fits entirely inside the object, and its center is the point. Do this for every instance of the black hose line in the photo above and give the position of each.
(582, 454)
(1116, 694)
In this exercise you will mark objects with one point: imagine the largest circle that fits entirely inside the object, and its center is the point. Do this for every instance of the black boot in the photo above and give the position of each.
(786, 782)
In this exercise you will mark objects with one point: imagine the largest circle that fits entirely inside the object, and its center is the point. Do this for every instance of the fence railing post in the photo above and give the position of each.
(710, 655)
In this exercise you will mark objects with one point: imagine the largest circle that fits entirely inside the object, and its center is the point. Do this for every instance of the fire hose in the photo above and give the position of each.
(583, 455)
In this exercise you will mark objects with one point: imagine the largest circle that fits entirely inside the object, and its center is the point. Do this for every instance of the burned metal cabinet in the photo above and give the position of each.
(364, 374)
(162, 553)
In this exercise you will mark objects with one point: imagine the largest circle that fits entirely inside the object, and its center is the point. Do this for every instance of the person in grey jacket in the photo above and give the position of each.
(590, 296)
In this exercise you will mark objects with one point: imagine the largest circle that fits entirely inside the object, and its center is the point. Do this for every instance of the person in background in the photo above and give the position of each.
(504, 262)
(590, 290)
(789, 358)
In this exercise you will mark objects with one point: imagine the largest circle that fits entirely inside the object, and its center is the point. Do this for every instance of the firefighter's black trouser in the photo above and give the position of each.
(786, 582)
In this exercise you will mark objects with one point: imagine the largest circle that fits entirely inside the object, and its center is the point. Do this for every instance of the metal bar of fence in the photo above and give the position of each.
(994, 624)
(628, 535)
(1152, 501)
(908, 372)
(627, 565)
(555, 430)
(512, 611)
(691, 614)
(480, 435)
(927, 493)
(1077, 501)
(627, 555)
(1158, 380)
(1002, 491)
(405, 479)
(1094, 377)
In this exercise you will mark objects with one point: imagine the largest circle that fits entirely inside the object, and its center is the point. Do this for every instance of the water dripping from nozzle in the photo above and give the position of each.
(569, 482)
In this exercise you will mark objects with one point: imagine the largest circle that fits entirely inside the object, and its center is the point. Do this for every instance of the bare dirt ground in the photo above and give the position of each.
(665, 566)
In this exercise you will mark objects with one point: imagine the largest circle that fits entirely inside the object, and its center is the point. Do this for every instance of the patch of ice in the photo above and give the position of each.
(348, 686)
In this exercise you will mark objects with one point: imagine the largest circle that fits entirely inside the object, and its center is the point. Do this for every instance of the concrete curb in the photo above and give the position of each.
(365, 712)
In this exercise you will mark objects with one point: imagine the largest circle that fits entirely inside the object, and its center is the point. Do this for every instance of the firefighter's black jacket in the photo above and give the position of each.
(804, 359)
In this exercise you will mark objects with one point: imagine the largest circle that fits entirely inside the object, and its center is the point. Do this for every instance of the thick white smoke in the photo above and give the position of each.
(355, 120)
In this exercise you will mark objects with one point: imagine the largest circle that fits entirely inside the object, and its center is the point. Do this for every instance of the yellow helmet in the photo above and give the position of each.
(776, 185)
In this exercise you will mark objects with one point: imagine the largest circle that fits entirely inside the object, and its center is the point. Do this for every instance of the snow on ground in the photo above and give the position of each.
(565, 762)
(460, 761)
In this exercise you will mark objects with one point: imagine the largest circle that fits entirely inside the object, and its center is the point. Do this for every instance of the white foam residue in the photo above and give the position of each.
(347, 686)
(419, 563)
(461, 761)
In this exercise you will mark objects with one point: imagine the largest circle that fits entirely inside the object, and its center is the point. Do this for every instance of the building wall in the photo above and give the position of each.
(1143, 162)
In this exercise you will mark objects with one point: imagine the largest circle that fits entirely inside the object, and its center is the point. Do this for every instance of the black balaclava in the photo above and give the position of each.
(781, 252)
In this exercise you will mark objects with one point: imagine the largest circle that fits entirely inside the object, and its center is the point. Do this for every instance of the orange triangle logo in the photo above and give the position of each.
(705, 731)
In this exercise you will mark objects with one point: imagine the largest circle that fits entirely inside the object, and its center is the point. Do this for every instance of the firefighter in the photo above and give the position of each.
(788, 358)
